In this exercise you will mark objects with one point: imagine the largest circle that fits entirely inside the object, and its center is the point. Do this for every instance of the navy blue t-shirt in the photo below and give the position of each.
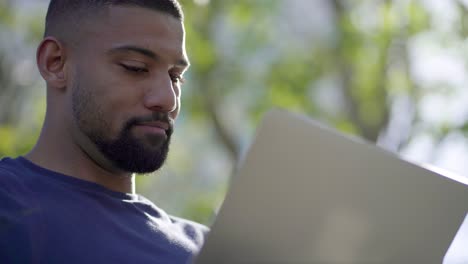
(47, 217)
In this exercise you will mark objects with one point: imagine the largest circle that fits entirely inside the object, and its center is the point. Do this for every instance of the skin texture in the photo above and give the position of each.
(125, 67)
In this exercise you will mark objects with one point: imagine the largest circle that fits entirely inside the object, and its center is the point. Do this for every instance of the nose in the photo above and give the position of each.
(162, 94)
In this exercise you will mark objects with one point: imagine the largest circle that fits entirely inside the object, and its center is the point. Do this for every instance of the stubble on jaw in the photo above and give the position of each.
(125, 152)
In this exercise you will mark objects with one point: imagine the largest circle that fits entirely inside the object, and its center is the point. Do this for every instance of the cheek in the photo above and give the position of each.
(115, 110)
(115, 98)
(119, 97)
(106, 103)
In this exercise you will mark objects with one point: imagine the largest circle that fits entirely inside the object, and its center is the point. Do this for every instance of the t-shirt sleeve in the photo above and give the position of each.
(18, 233)
(194, 231)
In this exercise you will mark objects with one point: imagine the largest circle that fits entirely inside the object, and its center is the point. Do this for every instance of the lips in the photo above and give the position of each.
(154, 127)
(155, 124)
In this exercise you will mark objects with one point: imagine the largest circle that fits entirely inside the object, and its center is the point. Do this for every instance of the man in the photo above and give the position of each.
(113, 70)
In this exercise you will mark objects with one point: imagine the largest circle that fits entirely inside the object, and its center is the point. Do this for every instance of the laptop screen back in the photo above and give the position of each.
(306, 194)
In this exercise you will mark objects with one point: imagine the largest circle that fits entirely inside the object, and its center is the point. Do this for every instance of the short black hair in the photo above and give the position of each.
(61, 12)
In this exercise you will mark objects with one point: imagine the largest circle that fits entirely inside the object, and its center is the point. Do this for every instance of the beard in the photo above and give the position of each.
(131, 154)
(125, 152)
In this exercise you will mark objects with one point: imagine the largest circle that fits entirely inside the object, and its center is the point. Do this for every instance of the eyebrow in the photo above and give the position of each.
(147, 53)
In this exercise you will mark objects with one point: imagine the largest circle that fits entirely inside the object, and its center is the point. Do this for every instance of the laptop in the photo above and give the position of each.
(307, 194)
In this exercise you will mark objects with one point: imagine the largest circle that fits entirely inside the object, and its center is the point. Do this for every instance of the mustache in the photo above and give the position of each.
(154, 117)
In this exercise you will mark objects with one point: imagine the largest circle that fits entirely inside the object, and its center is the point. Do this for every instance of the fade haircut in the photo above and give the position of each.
(65, 16)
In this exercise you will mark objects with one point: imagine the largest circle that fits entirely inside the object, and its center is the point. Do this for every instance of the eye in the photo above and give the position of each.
(134, 69)
(177, 78)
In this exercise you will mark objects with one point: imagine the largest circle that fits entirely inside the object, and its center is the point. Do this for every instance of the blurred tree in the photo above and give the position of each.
(350, 64)
(242, 67)
(20, 113)
(360, 59)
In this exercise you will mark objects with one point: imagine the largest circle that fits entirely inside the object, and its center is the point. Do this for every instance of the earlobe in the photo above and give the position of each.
(50, 59)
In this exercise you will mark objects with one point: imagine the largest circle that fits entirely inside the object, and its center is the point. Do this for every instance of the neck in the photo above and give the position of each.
(56, 151)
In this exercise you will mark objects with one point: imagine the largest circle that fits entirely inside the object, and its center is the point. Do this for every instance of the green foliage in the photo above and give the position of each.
(14, 142)
(418, 18)
(200, 209)
(6, 14)
(242, 65)
(9, 142)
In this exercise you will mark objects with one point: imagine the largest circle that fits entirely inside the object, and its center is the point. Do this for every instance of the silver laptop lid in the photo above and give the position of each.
(307, 194)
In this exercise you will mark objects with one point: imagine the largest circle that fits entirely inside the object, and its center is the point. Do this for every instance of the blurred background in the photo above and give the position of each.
(392, 72)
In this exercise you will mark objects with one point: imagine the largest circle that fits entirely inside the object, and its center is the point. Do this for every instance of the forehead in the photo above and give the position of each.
(135, 26)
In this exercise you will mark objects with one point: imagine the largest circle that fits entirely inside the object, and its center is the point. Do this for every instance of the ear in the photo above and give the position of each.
(50, 57)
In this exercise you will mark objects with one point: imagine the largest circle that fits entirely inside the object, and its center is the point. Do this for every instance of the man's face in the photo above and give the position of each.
(125, 86)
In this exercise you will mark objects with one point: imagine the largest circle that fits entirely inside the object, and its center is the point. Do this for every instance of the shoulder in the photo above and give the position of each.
(17, 199)
(17, 214)
(9, 170)
(193, 230)
(186, 222)
(8, 166)
(174, 219)
(14, 193)
(11, 180)
(185, 229)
